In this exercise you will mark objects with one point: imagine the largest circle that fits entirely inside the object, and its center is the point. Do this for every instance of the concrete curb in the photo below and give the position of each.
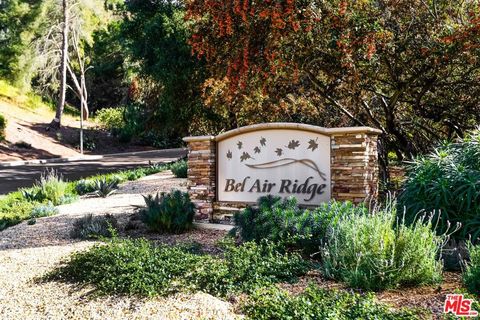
(46, 161)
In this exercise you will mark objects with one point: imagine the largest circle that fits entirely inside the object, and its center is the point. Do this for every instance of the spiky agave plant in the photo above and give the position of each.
(104, 188)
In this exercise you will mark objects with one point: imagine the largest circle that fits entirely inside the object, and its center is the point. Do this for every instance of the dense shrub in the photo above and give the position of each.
(94, 227)
(283, 221)
(471, 275)
(447, 181)
(138, 267)
(376, 251)
(172, 212)
(112, 119)
(314, 303)
(3, 126)
(180, 169)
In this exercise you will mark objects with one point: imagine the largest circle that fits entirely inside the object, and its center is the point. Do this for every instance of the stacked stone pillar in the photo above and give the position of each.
(201, 174)
(354, 166)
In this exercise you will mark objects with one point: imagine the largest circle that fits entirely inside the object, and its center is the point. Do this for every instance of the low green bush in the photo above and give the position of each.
(84, 186)
(314, 303)
(180, 169)
(44, 211)
(3, 126)
(14, 209)
(471, 275)
(446, 182)
(138, 267)
(172, 212)
(377, 251)
(112, 119)
(283, 221)
(41, 211)
(94, 227)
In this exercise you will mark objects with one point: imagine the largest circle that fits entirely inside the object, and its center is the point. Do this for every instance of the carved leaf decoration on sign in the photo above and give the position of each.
(245, 156)
(293, 144)
(256, 150)
(263, 142)
(240, 144)
(279, 152)
(312, 144)
(229, 155)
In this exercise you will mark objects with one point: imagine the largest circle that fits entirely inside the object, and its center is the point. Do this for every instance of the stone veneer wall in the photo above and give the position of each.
(354, 170)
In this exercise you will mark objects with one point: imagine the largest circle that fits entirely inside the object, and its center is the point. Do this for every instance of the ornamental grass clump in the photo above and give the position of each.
(377, 251)
(51, 187)
(447, 182)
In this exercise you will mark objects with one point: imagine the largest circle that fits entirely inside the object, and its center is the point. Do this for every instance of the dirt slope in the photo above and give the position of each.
(26, 137)
(27, 127)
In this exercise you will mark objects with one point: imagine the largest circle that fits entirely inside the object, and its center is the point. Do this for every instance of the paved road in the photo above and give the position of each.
(12, 178)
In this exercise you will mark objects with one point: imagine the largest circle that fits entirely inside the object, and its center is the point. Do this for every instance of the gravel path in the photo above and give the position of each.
(27, 252)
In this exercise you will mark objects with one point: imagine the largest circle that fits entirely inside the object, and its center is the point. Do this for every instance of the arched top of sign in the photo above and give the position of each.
(294, 126)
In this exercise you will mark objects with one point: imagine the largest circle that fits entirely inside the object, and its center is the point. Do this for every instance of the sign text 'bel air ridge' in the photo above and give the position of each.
(283, 162)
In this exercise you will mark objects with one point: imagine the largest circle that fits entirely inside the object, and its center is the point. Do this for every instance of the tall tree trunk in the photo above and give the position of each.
(56, 123)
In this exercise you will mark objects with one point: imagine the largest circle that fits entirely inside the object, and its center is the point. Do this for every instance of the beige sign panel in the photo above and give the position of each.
(283, 162)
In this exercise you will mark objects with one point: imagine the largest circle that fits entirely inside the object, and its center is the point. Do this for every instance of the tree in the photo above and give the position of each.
(169, 77)
(60, 51)
(20, 23)
(56, 122)
(409, 68)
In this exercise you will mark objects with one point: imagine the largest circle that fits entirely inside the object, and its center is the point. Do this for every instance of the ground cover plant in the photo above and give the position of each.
(124, 266)
(316, 303)
(447, 182)
(285, 222)
(377, 251)
(168, 212)
(471, 275)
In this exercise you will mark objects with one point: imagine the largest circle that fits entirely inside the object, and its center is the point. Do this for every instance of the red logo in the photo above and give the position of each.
(459, 306)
